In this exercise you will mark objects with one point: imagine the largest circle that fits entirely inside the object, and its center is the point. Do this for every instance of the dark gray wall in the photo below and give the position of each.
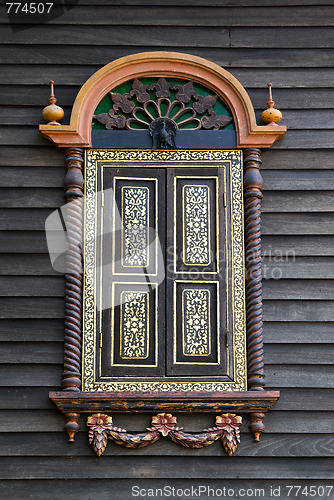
(290, 45)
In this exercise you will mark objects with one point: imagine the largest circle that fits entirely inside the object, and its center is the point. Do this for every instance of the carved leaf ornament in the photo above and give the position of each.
(146, 110)
(164, 425)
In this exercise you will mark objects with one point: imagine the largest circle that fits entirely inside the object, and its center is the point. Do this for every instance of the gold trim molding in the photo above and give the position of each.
(131, 158)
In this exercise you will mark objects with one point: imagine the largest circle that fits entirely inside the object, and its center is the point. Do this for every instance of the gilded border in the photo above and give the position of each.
(151, 158)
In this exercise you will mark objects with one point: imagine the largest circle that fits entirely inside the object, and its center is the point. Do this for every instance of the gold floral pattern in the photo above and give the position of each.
(89, 255)
(135, 222)
(238, 266)
(196, 323)
(196, 224)
(134, 325)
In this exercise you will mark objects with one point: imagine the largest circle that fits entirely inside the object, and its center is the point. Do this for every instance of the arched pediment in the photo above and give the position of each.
(168, 65)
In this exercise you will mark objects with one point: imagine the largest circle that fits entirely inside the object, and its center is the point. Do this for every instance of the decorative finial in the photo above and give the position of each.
(52, 113)
(52, 99)
(271, 116)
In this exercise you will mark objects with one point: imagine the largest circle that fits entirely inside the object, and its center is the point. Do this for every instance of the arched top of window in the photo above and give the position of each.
(170, 66)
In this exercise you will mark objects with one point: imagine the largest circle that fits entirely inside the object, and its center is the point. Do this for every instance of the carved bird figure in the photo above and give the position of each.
(163, 131)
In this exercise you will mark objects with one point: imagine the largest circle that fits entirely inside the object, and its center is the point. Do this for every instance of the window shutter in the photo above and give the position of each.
(133, 325)
(196, 272)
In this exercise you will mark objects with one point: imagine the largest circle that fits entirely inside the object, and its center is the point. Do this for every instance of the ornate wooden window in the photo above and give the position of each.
(167, 314)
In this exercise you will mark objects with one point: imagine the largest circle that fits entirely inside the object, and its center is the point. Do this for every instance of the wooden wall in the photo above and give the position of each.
(287, 42)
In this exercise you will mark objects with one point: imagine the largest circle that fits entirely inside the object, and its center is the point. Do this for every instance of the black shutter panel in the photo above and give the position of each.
(133, 324)
(196, 272)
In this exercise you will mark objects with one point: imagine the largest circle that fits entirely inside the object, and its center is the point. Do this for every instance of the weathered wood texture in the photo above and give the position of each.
(183, 16)
(147, 468)
(287, 42)
(291, 445)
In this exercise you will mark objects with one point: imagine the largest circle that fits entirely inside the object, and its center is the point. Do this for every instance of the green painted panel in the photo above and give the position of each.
(220, 108)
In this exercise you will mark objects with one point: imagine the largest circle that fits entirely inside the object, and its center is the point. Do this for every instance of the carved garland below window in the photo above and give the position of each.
(164, 425)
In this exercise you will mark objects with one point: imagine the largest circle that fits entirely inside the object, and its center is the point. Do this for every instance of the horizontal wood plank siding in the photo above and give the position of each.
(126, 467)
(183, 16)
(287, 42)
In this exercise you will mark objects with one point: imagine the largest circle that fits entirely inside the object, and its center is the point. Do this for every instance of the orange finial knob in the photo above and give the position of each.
(53, 113)
(52, 99)
(271, 102)
(271, 116)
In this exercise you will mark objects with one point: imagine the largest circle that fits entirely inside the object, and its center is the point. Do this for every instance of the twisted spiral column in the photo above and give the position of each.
(253, 196)
(73, 292)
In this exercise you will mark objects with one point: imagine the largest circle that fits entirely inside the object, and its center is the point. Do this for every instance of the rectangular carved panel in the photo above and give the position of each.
(196, 338)
(196, 223)
(133, 330)
(135, 325)
(197, 329)
(135, 225)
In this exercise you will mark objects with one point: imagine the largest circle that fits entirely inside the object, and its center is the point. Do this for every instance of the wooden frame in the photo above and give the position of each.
(71, 401)
(230, 309)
